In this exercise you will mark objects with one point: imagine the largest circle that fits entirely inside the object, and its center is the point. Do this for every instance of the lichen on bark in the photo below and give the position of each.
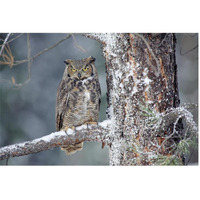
(141, 76)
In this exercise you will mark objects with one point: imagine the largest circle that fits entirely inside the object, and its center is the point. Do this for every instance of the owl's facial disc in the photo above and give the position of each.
(78, 70)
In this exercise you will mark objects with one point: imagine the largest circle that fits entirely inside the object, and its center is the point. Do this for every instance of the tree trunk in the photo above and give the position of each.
(142, 83)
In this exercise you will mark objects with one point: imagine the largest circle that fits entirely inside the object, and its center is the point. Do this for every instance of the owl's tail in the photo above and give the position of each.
(71, 149)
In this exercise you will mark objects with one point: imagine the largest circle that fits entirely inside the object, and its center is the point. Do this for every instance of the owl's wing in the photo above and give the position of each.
(61, 102)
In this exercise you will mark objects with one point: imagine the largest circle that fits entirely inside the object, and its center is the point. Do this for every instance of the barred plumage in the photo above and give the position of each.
(78, 97)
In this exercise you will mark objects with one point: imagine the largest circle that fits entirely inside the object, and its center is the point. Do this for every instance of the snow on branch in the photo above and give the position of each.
(82, 133)
(104, 38)
(180, 112)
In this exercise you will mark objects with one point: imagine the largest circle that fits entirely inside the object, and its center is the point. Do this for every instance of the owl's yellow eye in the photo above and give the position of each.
(74, 70)
(85, 68)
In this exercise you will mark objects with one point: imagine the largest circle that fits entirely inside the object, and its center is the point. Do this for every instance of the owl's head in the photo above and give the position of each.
(80, 69)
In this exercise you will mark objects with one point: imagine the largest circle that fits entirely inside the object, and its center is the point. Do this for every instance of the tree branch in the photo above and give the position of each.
(180, 112)
(56, 139)
(77, 45)
(188, 51)
(10, 59)
(97, 36)
(29, 64)
(13, 38)
(4, 43)
(42, 52)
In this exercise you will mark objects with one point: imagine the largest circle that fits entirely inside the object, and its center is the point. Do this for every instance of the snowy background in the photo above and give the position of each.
(28, 112)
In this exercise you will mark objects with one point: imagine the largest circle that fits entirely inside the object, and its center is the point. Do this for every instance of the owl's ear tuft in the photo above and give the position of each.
(66, 62)
(91, 59)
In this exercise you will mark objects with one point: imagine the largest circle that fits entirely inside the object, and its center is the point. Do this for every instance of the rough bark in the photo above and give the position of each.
(141, 74)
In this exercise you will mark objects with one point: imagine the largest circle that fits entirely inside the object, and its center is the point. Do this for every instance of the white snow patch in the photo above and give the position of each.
(137, 81)
(108, 38)
(70, 131)
(130, 72)
(47, 138)
(150, 101)
(114, 54)
(105, 123)
(134, 90)
(137, 65)
(110, 110)
(118, 73)
(79, 128)
(145, 72)
(147, 80)
(114, 81)
(121, 85)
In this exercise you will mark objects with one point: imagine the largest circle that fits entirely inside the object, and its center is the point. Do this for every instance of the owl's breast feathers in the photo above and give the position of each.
(78, 102)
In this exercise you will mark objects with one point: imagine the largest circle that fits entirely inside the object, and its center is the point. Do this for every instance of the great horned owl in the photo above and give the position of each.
(78, 98)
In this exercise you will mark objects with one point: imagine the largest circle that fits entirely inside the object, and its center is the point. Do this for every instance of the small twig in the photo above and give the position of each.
(190, 106)
(4, 43)
(29, 64)
(42, 52)
(77, 45)
(190, 50)
(174, 130)
(13, 38)
(5, 80)
(7, 57)
(185, 134)
(162, 40)
(28, 58)
(156, 70)
(29, 54)
(190, 34)
(174, 113)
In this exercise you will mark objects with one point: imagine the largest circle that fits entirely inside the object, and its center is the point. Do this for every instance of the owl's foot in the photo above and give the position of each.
(71, 149)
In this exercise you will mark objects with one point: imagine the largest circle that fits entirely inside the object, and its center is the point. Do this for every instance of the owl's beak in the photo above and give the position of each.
(79, 75)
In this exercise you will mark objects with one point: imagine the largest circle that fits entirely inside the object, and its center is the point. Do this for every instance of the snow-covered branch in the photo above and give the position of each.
(82, 133)
(180, 112)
